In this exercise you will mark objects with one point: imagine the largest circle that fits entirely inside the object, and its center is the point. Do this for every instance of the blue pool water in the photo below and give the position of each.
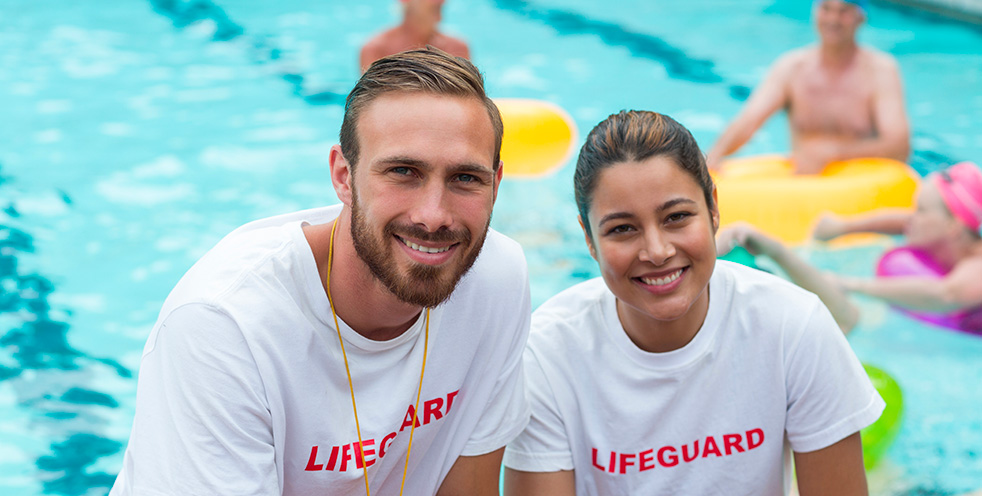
(136, 133)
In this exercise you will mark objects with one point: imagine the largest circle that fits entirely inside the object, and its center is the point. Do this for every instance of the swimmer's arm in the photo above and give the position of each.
(837, 469)
(473, 475)
(892, 139)
(959, 290)
(886, 221)
(769, 97)
(518, 483)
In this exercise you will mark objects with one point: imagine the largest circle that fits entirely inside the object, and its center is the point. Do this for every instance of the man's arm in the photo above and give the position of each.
(892, 139)
(473, 475)
(837, 469)
(769, 97)
(518, 483)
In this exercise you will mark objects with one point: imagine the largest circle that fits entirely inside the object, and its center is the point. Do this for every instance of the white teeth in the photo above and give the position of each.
(423, 248)
(661, 281)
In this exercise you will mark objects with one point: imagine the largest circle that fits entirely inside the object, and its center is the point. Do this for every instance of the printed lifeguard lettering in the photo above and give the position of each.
(668, 456)
(349, 456)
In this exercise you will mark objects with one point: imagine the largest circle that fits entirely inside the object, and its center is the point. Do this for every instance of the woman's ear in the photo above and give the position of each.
(589, 240)
(715, 211)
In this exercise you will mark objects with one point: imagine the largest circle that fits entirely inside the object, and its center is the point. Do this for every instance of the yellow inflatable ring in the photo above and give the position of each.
(763, 191)
(879, 435)
(540, 137)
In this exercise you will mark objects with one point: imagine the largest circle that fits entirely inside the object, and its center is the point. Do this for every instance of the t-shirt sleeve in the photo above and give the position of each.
(202, 424)
(543, 446)
(830, 396)
(507, 413)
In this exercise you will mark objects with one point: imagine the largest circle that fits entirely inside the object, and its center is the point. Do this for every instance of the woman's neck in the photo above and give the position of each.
(660, 336)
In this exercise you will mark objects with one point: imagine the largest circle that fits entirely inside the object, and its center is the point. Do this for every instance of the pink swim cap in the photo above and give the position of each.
(961, 188)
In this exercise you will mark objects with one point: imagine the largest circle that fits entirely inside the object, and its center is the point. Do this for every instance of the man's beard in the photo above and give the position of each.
(422, 285)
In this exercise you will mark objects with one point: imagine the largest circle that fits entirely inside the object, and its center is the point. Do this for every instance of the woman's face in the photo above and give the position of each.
(931, 225)
(653, 237)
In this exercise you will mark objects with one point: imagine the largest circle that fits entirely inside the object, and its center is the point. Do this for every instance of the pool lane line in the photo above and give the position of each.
(40, 345)
(183, 13)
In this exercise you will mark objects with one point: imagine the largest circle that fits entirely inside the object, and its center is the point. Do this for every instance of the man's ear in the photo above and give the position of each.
(340, 175)
(589, 241)
(497, 180)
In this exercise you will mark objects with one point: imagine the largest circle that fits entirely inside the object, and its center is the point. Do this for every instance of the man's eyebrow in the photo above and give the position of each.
(467, 168)
(403, 160)
(472, 169)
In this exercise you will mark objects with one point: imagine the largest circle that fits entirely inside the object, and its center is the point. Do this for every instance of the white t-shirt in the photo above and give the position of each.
(768, 372)
(242, 387)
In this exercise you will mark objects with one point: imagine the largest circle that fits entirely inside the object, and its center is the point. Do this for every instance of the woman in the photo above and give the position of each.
(946, 228)
(675, 373)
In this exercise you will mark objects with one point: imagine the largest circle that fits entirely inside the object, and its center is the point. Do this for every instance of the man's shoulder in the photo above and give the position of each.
(454, 46)
(877, 59)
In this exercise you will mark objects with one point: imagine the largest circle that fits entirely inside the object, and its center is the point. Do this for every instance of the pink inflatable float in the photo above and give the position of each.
(906, 261)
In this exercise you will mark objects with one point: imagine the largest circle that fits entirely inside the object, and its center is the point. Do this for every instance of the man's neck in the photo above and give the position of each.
(360, 299)
(838, 56)
(420, 31)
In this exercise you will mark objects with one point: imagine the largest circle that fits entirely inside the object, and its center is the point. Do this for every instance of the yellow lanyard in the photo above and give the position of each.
(351, 385)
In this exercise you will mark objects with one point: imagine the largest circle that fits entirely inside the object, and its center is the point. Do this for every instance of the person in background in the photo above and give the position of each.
(675, 373)
(843, 100)
(946, 225)
(371, 347)
(420, 19)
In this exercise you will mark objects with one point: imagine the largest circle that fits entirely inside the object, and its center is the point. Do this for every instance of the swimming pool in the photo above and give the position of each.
(139, 132)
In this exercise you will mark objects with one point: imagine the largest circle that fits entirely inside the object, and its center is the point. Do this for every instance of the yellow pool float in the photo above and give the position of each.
(765, 192)
(540, 137)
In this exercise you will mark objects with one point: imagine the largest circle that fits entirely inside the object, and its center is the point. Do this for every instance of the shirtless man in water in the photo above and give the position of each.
(418, 29)
(843, 100)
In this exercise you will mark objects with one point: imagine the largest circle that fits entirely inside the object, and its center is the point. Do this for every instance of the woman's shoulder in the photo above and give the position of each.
(747, 287)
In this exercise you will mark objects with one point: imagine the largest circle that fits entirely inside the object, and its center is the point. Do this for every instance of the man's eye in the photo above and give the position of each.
(467, 178)
(402, 171)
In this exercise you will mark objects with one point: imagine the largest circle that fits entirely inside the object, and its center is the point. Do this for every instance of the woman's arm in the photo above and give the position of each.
(837, 469)
(518, 483)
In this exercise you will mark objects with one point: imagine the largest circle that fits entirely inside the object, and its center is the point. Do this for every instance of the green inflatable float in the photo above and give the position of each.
(878, 436)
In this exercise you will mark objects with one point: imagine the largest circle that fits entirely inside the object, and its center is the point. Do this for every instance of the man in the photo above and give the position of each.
(843, 100)
(315, 352)
(417, 30)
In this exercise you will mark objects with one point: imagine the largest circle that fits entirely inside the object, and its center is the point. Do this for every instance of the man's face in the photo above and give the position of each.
(837, 21)
(422, 191)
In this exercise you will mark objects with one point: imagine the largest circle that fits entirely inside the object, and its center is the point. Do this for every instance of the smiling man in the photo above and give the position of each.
(843, 100)
(369, 347)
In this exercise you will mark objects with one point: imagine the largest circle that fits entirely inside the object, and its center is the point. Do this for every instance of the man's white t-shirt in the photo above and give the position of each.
(243, 390)
(768, 372)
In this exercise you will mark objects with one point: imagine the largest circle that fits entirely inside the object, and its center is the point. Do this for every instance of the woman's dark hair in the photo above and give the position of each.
(634, 136)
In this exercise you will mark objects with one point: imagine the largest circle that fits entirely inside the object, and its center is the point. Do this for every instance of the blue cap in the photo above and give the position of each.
(862, 5)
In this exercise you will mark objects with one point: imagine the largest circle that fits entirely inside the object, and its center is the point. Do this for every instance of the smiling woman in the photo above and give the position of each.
(668, 338)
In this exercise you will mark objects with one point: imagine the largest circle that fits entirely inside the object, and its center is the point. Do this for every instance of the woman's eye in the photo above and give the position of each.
(677, 216)
(623, 228)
